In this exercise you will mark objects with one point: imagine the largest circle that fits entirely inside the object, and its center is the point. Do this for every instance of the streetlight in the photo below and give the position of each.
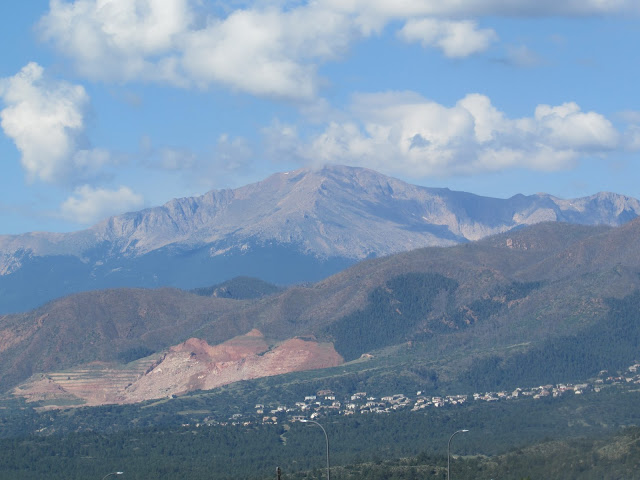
(304, 420)
(449, 449)
(112, 473)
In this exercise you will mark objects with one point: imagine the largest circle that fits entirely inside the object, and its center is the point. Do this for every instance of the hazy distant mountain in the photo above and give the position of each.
(292, 227)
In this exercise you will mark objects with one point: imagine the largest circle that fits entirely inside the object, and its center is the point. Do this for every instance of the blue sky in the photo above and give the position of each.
(109, 106)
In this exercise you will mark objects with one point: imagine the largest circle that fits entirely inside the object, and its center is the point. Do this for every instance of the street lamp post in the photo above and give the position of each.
(326, 438)
(449, 449)
(112, 473)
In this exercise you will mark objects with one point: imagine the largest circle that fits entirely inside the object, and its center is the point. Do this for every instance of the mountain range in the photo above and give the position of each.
(551, 302)
(292, 227)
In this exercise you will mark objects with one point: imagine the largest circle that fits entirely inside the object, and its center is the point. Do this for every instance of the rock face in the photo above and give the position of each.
(291, 227)
(192, 365)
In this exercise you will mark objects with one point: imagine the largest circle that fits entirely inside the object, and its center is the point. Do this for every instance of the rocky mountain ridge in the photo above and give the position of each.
(322, 211)
(291, 227)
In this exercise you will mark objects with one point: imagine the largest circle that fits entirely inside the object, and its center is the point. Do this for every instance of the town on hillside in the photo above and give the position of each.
(326, 403)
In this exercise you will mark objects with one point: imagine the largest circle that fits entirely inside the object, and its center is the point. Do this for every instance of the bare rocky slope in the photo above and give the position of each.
(191, 365)
(291, 227)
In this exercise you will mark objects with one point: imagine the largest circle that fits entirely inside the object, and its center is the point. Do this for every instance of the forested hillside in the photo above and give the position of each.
(538, 305)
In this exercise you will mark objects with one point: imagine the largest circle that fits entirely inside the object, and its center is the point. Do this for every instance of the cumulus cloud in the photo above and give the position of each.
(247, 51)
(89, 205)
(454, 38)
(405, 133)
(46, 120)
(269, 49)
(261, 50)
(119, 39)
(566, 126)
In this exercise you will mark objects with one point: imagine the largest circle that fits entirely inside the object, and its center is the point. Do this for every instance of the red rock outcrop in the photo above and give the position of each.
(192, 365)
(195, 365)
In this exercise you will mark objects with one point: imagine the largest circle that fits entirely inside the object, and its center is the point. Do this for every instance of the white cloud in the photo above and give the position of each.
(89, 205)
(248, 51)
(566, 126)
(269, 49)
(263, 50)
(406, 133)
(454, 38)
(46, 120)
(119, 39)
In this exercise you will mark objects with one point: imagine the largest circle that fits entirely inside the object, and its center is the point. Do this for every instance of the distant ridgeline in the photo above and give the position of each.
(239, 288)
(290, 228)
